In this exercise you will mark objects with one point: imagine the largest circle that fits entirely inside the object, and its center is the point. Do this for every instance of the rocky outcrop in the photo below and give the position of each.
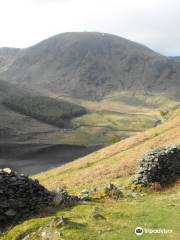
(44, 233)
(63, 199)
(161, 166)
(20, 197)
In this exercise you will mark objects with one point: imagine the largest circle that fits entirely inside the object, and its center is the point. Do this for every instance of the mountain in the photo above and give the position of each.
(7, 57)
(91, 65)
(176, 58)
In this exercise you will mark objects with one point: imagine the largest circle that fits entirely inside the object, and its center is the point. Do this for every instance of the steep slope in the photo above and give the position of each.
(92, 65)
(105, 217)
(24, 114)
(45, 109)
(11, 123)
(7, 57)
(116, 161)
(9, 89)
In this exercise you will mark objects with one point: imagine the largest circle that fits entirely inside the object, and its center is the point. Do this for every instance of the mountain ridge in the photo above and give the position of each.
(91, 65)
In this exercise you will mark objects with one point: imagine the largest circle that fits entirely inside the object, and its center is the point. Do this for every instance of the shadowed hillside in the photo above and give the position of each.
(7, 57)
(45, 109)
(26, 115)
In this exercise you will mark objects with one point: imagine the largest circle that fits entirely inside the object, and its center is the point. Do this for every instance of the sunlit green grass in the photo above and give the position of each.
(153, 210)
(144, 99)
(114, 121)
(107, 128)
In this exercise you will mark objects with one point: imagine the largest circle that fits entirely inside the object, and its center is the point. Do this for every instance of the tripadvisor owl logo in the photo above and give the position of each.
(139, 231)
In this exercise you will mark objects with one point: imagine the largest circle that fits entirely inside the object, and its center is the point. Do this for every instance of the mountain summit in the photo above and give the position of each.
(90, 65)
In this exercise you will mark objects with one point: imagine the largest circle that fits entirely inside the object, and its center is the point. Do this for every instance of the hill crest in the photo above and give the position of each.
(92, 65)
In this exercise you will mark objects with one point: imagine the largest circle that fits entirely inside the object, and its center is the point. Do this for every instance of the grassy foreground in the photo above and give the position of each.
(116, 164)
(153, 210)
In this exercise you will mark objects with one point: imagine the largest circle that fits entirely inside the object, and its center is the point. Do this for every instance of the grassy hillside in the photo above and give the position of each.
(138, 102)
(115, 121)
(16, 127)
(27, 118)
(155, 210)
(117, 117)
(106, 127)
(118, 160)
(114, 164)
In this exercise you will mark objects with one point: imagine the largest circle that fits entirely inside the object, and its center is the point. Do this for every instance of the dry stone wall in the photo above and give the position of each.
(20, 197)
(161, 166)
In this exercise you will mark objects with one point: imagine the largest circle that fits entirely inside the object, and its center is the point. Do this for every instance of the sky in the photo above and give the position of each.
(154, 23)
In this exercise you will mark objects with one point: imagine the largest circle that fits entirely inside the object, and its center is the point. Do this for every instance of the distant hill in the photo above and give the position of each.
(176, 58)
(91, 65)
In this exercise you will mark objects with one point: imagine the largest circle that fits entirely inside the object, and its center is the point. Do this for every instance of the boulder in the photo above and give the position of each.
(63, 199)
(44, 233)
(113, 192)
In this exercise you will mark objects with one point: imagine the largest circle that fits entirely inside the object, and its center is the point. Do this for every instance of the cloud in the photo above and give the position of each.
(154, 23)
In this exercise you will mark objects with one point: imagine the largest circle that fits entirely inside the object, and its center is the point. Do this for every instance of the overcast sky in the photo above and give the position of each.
(154, 23)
